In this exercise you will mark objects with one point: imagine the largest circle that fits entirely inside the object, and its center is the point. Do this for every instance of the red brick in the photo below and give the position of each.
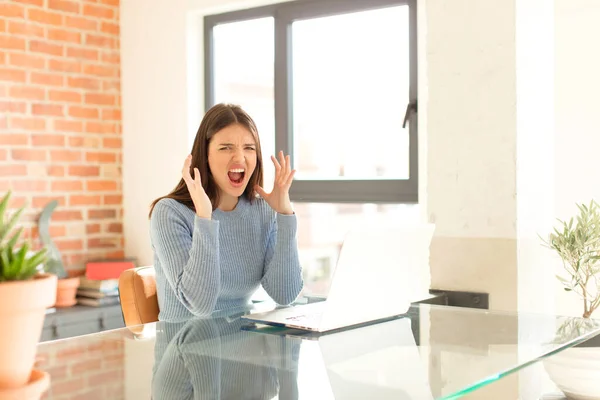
(39, 3)
(114, 3)
(26, 29)
(111, 57)
(48, 140)
(85, 200)
(82, 53)
(86, 366)
(27, 61)
(81, 23)
(65, 155)
(69, 244)
(28, 155)
(68, 126)
(100, 41)
(30, 124)
(44, 17)
(29, 186)
(13, 139)
(66, 215)
(111, 199)
(64, 5)
(64, 96)
(47, 79)
(92, 228)
(110, 28)
(102, 186)
(108, 86)
(101, 214)
(47, 109)
(111, 114)
(115, 228)
(38, 46)
(41, 201)
(100, 127)
(84, 83)
(27, 92)
(12, 42)
(96, 243)
(100, 70)
(12, 106)
(12, 10)
(13, 170)
(13, 75)
(3, 156)
(56, 170)
(113, 143)
(83, 112)
(100, 99)
(86, 141)
(98, 11)
(81, 170)
(64, 66)
(101, 157)
(62, 35)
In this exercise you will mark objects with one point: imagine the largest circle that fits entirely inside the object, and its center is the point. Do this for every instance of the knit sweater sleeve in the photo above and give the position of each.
(282, 278)
(190, 260)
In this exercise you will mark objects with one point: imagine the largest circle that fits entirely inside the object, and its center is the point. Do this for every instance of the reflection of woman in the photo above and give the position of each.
(214, 359)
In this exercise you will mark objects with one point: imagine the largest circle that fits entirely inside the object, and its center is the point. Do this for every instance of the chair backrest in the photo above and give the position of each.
(137, 290)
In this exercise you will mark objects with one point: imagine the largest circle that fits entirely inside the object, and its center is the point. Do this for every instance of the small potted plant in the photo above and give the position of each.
(66, 291)
(24, 296)
(577, 242)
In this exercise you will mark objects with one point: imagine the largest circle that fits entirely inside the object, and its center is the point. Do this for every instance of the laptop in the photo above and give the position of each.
(377, 277)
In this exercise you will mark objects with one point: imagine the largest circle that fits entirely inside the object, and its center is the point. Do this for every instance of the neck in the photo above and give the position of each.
(227, 202)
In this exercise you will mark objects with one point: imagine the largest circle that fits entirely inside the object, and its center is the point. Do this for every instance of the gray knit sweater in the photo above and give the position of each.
(207, 265)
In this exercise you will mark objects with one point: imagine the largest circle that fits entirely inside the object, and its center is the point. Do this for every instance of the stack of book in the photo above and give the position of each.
(98, 292)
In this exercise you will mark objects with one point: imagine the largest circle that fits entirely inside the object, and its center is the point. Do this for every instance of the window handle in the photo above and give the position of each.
(412, 106)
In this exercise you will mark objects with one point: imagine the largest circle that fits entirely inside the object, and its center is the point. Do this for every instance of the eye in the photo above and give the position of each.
(251, 148)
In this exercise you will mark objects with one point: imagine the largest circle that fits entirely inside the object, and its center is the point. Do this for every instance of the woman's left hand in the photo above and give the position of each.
(279, 198)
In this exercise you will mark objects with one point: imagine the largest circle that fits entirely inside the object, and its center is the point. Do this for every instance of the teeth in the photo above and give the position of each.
(236, 170)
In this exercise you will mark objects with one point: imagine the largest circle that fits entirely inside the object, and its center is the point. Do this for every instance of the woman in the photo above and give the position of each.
(214, 240)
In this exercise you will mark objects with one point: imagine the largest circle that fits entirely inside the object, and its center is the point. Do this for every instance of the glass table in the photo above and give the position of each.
(432, 352)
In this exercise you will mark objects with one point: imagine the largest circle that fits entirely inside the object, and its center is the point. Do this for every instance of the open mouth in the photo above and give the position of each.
(236, 176)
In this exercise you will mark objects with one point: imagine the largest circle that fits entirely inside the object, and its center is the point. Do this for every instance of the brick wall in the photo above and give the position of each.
(60, 120)
(88, 369)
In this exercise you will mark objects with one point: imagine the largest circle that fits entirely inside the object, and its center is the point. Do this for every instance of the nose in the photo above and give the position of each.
(238, 155)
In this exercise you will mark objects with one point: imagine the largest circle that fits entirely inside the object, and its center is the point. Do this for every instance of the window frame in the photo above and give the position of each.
(284, 14)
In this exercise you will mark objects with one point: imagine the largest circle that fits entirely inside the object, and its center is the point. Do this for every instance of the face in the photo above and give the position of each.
(232, 159)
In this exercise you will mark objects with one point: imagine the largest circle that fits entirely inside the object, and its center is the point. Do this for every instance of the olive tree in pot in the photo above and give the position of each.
(576, 371)
(24, 296)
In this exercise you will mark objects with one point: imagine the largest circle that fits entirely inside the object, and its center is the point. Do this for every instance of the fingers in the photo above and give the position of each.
(260, 191)
(290, 178)
(197, 177)
(185, 172)
(283, 166)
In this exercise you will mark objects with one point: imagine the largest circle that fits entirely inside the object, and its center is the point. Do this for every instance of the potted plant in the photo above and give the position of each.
(24, 296)
(577, 242)
(66, 290)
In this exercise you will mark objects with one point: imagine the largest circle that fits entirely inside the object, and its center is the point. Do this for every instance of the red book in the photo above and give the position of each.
(108, 269)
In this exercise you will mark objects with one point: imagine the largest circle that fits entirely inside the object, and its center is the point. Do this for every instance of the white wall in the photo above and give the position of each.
(577, 118)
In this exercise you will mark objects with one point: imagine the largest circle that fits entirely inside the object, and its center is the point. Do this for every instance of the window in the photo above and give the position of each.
(334, 84)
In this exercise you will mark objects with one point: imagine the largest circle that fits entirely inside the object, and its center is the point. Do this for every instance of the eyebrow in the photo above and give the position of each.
(231, 144)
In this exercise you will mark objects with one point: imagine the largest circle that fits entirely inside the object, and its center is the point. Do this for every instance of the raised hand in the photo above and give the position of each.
(279, 198)
(199, 197)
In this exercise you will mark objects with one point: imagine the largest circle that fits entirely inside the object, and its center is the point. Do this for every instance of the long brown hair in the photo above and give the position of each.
(219, 116)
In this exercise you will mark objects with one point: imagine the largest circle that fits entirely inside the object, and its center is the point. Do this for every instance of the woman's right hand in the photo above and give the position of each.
(199, 197)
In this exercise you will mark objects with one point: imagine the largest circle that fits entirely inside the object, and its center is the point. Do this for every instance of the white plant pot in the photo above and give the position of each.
(576, 371)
